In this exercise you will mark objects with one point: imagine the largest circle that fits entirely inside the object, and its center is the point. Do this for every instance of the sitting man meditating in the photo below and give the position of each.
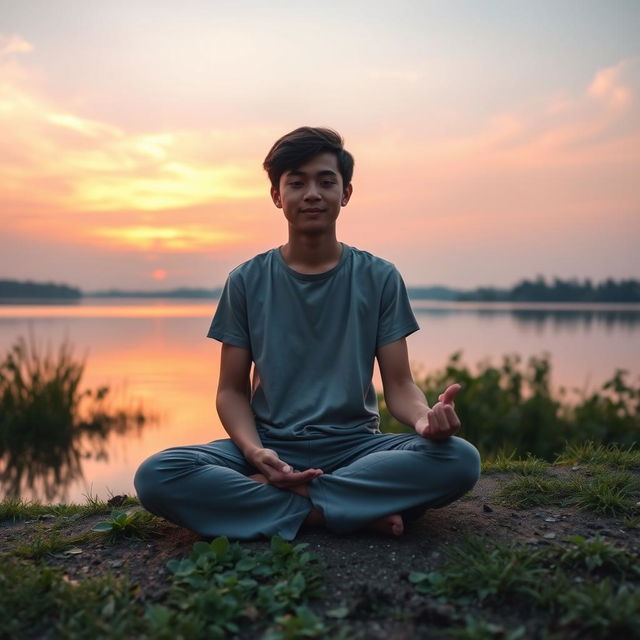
(304, 443)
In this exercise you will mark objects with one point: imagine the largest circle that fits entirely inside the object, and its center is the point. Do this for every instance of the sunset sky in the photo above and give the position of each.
(494, 140)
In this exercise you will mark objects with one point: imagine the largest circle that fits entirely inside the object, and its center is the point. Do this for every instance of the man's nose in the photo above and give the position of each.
(312, 192)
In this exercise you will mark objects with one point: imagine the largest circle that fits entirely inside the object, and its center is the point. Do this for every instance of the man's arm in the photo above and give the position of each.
(407, 403)
(234, 409)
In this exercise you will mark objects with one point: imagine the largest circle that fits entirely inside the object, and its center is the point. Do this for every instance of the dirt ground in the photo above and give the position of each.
(365, 572)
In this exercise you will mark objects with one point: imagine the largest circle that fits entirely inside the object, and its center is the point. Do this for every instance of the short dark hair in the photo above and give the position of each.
(295, 148)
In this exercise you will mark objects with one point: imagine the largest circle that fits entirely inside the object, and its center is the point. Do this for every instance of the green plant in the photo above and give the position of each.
(47, 422)
(596, 555)
(483, 630)
(302, 623)
(482, 571)
(513, 407)
(601, 610)
(223, 585)
(131, 523)
(220, 590)
(38, 601)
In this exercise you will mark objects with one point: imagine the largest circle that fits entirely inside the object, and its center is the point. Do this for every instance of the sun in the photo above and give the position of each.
(159, 274)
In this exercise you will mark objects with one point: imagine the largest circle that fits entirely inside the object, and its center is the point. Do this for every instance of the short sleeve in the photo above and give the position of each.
(396, 318)
(230, 324)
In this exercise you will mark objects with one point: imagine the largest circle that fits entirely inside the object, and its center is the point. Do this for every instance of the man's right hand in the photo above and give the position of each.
(277, 472)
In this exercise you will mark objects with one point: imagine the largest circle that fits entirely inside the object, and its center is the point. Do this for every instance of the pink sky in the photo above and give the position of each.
(490, 145)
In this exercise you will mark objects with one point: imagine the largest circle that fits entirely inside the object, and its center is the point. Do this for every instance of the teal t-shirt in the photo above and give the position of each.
(313, 339)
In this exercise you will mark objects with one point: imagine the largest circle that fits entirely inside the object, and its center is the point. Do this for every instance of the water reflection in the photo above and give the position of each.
(156, 351)
(542, 316)
(48, 425)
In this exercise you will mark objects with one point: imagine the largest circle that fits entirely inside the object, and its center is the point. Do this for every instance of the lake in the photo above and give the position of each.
(154, 352)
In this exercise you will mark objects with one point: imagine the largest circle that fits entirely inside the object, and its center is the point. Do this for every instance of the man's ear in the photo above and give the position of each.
(346, 195)
(275, 196)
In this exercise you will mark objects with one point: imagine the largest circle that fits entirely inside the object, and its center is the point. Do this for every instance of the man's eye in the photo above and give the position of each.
(328, 183)
(296, 183)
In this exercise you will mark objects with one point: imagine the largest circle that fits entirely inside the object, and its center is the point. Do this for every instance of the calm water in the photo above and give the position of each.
(155, 352)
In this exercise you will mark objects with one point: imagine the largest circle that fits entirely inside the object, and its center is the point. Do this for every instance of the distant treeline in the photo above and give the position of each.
(28, 289)
(183, 292)
(539, 290)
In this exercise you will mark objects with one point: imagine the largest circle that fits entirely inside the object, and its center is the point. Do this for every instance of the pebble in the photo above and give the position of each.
(549, 536)
(550, 520)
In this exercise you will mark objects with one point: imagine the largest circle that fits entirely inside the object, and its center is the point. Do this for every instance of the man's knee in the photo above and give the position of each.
(467, 459)
(148, 481)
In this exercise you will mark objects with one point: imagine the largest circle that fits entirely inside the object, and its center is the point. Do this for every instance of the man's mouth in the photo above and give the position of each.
(312, 210)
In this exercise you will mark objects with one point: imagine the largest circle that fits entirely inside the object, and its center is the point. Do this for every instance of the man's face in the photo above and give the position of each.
(311, 196)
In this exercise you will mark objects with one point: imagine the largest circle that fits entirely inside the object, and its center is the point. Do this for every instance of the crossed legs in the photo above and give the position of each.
(370, 480)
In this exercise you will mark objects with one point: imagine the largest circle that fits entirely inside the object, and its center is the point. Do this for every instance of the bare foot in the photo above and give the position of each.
(391, 525)
(315, 518)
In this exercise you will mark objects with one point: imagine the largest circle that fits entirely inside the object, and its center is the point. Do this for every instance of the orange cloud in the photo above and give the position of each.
(81, 164)
(186, 238)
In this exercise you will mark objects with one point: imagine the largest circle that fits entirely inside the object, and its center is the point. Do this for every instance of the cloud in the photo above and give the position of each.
(565, 166)
(612, 84)
(56, 160)
(185, 238)
(12, 44)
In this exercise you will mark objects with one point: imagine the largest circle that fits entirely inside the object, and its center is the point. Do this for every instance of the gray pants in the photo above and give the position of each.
(205, 488)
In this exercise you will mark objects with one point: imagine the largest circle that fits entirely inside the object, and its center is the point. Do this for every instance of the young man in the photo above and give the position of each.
(304, 446)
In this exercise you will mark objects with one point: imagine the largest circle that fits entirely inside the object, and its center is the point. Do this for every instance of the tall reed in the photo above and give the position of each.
(47, 420)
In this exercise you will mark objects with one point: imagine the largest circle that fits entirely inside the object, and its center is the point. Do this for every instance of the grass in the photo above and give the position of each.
(502, 462)
(553, 586)
(47, 542)
(13, 509)
(610, 455)
(605, 493)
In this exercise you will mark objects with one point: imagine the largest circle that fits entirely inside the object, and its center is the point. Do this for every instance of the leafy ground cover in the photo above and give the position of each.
(537, 550)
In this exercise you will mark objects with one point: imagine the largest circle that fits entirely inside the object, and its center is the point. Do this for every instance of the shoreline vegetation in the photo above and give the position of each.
(49, 424)
(537, 290)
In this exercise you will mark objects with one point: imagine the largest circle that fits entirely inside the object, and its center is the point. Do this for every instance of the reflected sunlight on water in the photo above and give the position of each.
(156, 353)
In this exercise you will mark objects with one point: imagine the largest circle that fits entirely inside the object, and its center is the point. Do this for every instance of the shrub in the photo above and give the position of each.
(511, 408)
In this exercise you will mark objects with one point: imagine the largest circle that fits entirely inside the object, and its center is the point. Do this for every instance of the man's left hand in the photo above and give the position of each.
(441, 421)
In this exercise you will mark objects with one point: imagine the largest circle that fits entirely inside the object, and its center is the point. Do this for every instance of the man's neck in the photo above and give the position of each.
(311, 254)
